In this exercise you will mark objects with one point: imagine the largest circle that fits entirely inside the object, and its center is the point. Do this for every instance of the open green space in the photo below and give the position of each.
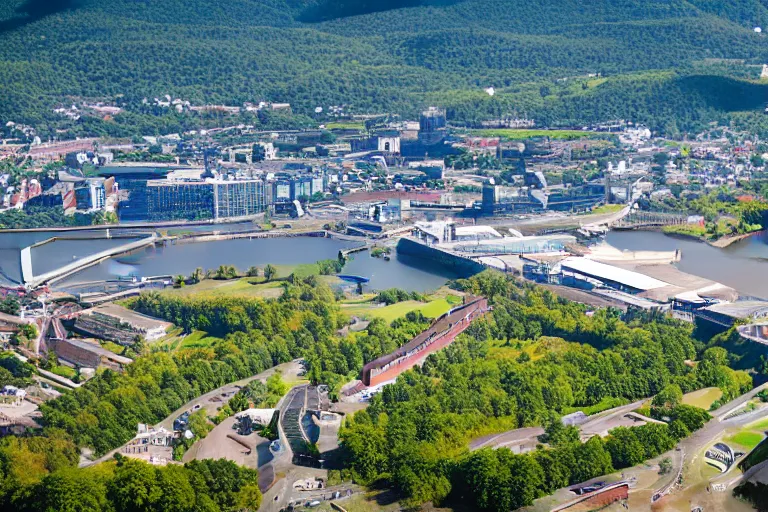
(746, 439)
(112, 347)
(244, 287)
(198, 339)
(345, 126)
(608, 208)
(64, 371)
(703, 397)
(432, 309)
(761, 425)
(522, 134)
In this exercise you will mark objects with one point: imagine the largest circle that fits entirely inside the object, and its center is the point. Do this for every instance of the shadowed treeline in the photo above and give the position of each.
(33, 10)
(332, 9)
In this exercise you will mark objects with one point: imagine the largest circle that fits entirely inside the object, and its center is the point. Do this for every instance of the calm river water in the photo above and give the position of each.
(400, 272)
(742, 266)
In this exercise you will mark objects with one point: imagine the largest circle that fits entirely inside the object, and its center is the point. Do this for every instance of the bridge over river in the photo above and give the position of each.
(32, 281)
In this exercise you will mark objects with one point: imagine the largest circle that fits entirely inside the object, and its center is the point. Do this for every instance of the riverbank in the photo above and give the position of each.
(741, 265)
(722, 243)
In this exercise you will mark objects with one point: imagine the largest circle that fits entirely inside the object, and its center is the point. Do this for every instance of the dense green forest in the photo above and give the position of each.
(414, 434)
(673, 64)
(533, 359)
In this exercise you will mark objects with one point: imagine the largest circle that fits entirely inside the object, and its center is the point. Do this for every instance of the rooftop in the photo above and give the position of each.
(740, 309)
(609, 272)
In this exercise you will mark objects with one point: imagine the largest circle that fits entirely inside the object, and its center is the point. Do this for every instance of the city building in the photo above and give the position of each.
(180, 200)
(203, 200)
(239, 198)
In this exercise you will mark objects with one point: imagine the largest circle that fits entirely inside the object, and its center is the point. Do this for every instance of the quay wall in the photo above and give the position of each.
(465, 267)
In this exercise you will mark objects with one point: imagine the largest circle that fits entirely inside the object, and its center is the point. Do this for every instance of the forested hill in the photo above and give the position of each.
(397, 56)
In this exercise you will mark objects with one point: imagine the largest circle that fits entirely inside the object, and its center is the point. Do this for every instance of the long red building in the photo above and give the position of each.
(440, 334)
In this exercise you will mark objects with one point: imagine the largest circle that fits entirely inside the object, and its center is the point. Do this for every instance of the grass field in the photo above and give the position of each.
(432, 309)
(703, 397)
(253, 287)
(515, 134)
(198, 339)
(746, 439)
(64, 371)
(345, 126)
(113, 347)
(761, 425)
(607, 208)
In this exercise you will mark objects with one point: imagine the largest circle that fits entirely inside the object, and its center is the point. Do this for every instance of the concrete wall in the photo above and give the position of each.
(460, 265)
(597, 500)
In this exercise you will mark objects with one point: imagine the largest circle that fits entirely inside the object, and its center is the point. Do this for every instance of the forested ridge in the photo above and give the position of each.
(372, 57)
(534, 358)
(414, 435)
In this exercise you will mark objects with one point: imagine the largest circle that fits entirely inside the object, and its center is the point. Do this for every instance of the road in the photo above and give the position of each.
(597, 424)
(693, 445)
(212, 400)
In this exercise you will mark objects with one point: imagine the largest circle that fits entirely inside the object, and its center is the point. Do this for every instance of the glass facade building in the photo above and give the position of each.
(180, 200)
(204, 200)
(239, 198)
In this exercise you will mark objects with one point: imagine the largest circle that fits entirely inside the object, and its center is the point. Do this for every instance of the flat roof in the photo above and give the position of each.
(609, 272)
(477, 230)
(98, 349)
(134, 318)
(739, 309)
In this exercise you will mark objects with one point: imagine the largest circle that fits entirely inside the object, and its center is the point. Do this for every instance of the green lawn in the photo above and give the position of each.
(759, 425)
(345, 126)
(198, 339)
(702, 398)
(608, 208)
(64, 371)
(254, 287)
(113, 347)
(432, 309)
(746, 439)
(515, 134)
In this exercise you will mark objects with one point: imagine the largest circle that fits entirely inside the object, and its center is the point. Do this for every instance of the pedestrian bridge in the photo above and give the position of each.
(32, 281)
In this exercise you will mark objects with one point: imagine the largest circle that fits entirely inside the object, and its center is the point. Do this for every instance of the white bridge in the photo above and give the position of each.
(32, 281)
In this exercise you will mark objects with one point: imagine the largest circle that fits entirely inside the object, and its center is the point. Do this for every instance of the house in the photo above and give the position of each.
(147, 436)
(11, 395)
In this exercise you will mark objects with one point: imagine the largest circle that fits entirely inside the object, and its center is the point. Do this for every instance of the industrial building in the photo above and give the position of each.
(537, 196)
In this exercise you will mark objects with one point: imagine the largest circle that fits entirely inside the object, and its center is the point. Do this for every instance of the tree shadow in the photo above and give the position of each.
(327, 10)
(34, 10)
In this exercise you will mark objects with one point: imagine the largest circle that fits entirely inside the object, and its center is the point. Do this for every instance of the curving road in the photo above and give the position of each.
(211, 401)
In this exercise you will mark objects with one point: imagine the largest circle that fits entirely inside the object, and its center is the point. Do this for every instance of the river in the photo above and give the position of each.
(173, 259)
(742, 265)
